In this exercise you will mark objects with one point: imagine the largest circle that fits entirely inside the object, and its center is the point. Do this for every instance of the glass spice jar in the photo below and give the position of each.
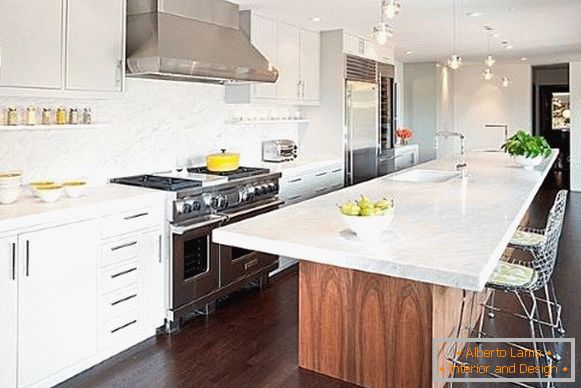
(31, 115)
(73, 116)
(87, 116)
(46, 116)
(12, 116)
(61, 116)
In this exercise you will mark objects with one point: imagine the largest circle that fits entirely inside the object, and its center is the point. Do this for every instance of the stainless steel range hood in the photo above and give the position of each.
(191, 40)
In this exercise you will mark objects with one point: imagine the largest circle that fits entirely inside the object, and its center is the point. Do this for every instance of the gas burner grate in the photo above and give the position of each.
(158, 182)
(241, 172)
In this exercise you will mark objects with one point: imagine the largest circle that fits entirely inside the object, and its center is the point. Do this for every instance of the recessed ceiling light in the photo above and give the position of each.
(524, 59)
(474, 14)
(508, 47)
(316, 19)
(409, 52)
(496, 35)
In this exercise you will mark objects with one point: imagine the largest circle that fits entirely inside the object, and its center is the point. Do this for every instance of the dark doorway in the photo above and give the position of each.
(552, 111)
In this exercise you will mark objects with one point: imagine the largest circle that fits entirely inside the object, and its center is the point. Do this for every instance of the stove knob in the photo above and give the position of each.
(257, 191)
(270, 188)
(264, 189)
(186, 208)
(197, 206)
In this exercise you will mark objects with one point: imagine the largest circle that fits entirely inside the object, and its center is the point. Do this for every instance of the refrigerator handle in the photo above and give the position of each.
(349, 137)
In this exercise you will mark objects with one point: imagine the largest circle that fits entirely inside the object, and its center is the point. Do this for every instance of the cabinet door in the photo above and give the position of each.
(264, 39)
(8, 312)
(151, 254)
(95, 45)
(57, 299)
(310, 64)
(287, 86)
(31, 44)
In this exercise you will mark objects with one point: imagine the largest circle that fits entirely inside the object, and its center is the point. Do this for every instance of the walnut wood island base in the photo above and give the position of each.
(372, 330)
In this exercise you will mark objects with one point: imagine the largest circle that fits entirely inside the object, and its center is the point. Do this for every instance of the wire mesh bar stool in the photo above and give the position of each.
(537, 243)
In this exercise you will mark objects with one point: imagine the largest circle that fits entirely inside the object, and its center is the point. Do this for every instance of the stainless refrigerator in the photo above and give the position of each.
(368, 121)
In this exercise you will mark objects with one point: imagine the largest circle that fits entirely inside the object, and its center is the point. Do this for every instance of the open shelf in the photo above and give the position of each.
(55, 127)
(251, 122)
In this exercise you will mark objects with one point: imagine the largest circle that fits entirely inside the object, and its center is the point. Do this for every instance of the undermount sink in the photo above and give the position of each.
(420, 175)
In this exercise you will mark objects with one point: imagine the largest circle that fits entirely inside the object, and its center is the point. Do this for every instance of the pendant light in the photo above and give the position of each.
(381, 31)
(488, 74)
(489, 61)
(390, 8)
(455, 61)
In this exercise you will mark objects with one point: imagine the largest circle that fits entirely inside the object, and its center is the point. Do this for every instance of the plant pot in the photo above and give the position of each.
(528, 163)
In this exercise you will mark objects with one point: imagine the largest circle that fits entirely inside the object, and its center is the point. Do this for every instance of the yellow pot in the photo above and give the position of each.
(225, 161)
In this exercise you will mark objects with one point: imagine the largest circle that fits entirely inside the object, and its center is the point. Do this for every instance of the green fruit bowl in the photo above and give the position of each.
(367, 219)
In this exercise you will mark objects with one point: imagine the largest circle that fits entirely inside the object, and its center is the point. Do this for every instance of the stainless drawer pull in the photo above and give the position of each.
(13, 261)
(27, 258)
(124, 246)
(250, 264)
(336, 171)
(295, 180)
(321, 174)
(321, 190)
(294, 197)
(124, 326)
(136, 216)
(124, 300)
(124, 273)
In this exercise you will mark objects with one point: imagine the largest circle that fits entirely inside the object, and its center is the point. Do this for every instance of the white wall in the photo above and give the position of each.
(151, 125)
(479, 102)
(575, 90)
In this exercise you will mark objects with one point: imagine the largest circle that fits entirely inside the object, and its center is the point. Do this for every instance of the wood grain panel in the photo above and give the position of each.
(381, 327)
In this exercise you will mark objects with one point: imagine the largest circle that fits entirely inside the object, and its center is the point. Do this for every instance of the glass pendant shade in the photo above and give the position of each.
(390, 8)
(505, 82)
(454, 62)
(381, 33)
(489, 61)
(488, 74)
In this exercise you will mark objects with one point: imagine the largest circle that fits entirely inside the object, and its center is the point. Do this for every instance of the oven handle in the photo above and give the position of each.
(273, 204)
(182, 229)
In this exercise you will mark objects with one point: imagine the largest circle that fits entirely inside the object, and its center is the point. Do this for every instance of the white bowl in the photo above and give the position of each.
(75, 189)
(8, 196)
(34, 186)
(50, 195)
(369, 228)
(528, 163)
(9, 185)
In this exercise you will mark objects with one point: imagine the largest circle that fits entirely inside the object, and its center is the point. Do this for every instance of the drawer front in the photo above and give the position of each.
(119, 303)
(118, 251)
(231, 270)
(128, 222)
(119, 277)
(119, 329)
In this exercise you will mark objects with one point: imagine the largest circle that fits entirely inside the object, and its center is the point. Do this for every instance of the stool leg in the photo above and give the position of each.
(558, 307)
(530, 316)
(549, 309)
(491, 312)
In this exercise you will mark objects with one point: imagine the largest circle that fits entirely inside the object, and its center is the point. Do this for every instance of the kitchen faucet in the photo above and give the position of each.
(462, 166)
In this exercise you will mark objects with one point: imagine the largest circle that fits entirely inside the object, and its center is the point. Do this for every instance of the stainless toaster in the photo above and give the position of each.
(279, 150)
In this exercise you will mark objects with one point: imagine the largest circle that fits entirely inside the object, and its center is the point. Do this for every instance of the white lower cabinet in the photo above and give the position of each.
(73, 295)
(301, 185)
(57, 299)
(8, 311)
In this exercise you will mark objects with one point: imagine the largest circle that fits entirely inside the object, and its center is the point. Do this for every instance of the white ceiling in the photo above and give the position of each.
(545, 31)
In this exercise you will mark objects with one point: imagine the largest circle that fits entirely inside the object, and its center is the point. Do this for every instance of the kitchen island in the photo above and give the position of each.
(368, 311)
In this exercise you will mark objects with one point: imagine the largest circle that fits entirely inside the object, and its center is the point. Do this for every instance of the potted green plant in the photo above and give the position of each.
(527, 150)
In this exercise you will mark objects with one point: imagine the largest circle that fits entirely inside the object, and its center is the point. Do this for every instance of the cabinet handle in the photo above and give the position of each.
(295, 180)
(13, 261)
(321, 174)
(320, 190)
(299, 88)
(27, 258)
(118, 72)
(250, 264)
(294, 197)
(124, 326)
(124, 273)
(124, 246)
(136, 216)
(336, 171)
(304, 89)
(124, 300)
(160, 249)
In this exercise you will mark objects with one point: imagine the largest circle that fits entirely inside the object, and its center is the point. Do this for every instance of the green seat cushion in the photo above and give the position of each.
(512, 275)
(527, 238)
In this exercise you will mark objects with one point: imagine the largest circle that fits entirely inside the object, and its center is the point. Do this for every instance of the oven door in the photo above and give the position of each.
(195, 270)
(236, 263)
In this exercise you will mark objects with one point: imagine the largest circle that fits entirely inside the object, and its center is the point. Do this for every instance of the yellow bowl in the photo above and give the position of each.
(74, 183)
(49, 187)
(42, 183)
(10, 175)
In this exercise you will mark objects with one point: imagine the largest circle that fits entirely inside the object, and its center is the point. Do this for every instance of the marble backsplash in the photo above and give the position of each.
(149, 128)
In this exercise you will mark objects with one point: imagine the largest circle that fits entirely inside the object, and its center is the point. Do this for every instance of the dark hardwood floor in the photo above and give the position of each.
(251, 340)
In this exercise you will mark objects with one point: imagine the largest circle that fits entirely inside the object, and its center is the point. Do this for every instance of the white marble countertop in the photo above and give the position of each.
(302, 163)
(451, 233)
(30, 211)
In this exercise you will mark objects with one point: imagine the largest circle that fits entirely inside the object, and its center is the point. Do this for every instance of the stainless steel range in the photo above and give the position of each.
(200, 272)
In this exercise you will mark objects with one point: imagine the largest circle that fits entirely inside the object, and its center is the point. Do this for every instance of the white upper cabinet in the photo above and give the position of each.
(361, 47)
(294, 52)
(310, 65)
(8, 311)
(62, 48)
(288, 62)
(57, 299)
(31, 39)
(95, 52)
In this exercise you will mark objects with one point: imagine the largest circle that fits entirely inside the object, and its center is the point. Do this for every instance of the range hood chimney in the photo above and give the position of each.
(192, 40)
